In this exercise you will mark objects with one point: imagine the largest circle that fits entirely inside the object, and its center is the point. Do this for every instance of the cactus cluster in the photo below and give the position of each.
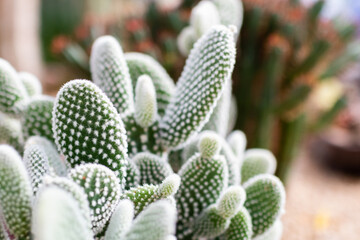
(134, 156)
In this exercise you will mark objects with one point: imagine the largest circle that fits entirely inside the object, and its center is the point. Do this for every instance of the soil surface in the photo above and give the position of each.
(322, 204)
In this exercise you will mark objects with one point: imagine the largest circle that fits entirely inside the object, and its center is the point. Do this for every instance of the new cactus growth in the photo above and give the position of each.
(111, 176)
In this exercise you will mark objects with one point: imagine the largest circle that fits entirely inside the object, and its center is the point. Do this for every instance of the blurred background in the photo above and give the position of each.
(296, 83)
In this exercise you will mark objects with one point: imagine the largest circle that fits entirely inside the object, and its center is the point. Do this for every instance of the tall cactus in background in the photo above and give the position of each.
(286, 49)
(113, 177)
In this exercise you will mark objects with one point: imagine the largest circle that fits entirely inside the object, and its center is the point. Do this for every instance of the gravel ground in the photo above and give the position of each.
(321, 204)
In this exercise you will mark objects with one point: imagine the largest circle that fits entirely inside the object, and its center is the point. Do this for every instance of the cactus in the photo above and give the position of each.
(57, 164)
(257, 161)
(215, 219)
(15, 193)
(204, 176)
(153, 170)
(110, 176)
(12, 91)
(31, 83)
(102, 189)
(286, 48)
(156, 222)
(140, 64)
(96, 135)
(36, 117)
(111, 73)
(144, 195)
(65, 221)
(37, 165)
(11, 132)
(265, 201)
(202, 81)
(240, 226)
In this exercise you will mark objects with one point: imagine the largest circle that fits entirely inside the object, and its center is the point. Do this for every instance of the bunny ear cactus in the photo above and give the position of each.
(132, 175)
(257, 161)
(215, 219)
(199, 87)
(240, 227)
(110, 72)
(15, 193)
(65, 221)
(145, 102)
(232, 161)
(140, 64)
(274, 233)
(37, 165)
(102, 189)
(10, 132)
(36, 117)
(237, 142)
(156, 222)
(144, 195)
(230, 11)
(87, 128)
(203, 177)
(153, 169)
(74, 190)
(12, 91)
(56, 163)
(31, 83)
(265, 201)
(121, 220)
(219, 120)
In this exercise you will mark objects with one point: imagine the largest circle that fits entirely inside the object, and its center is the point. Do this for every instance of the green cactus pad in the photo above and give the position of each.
(215, 219)
(240, 227)
(145, 102)
(232, 161)
(37, 165)
(120, 221)
(15, 192)
(202, 181)
(88, 129)
(265, 201)
(132, 175)
(110, 72)
(142, 139)
(237, 142)
(210, 224)
(11, 132)
(219, 119)
(36, 117)
(230, 201)
(31, 83)
(12, 91)
(102, 189)
(144, 195)
(200, 85)
(230, 12)
(274, 233)
(153, 169)
(65, 221)
(156, 222)
(76, 192)
(257, 161)
(57, 164)
(140, 64)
